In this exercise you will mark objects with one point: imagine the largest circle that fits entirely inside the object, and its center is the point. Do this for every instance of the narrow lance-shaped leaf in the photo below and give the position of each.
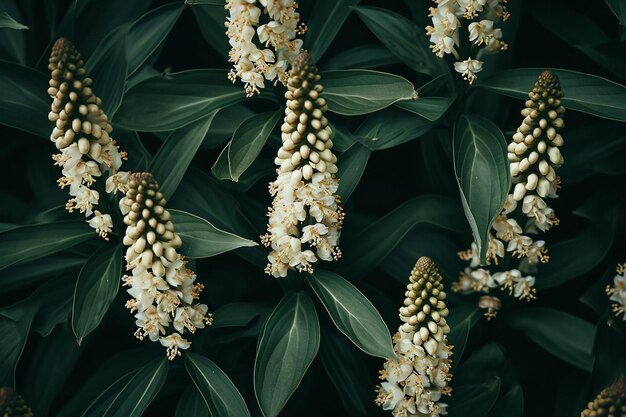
(287, 345)
(351, 164)
(191, 404)
(218, 391)
(482, 171)
(8, 22)
(353, 314)
(391, 127)
(327, 18)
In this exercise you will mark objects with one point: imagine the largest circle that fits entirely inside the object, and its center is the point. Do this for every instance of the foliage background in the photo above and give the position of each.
(548, 357)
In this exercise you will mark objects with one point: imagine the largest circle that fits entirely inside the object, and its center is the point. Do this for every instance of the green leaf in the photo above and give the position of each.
(7, 21)
(26, 274)
(24, 103)
(211, 20)
(218, 391)
(148, 32)
(363, 56)
(370, 247)
(391, 127)
(238, 314)
(618, 7)
(174, 157)
(353, 314)
(510, 404)
(223, 128)
(171, 101)
(404, 38)
(482, 171)
(327, 18)
(351, 164)
(583, 92)
(211, 2)
(567, 337)
(201, 239)
(96, 289)
(191, 404)
(461, 320)
(353, 92)
(430, 108)
(247, 143)
(287, 345)
(474, 400)
(15, 335)
(27, 243)
(137, 395)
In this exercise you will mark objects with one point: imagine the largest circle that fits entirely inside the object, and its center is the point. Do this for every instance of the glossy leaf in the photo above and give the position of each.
(211, 20)
(353, 314)
(391, 127)
(474, 400)
(33, 242)
(218, 391)
(583, 92)
(248, 141)
(191, 404)
(210, 2)
(95, 290)
(238, 314)
(174, 157)
(461, 320)
(618, 7)
(327, 18)
(363, 56)
(482, 171)
(171, 101)
(287, 345)
(430, 108)
(510, 404)
(353, 92)
(351, 164)
(8, 22)
(201, 239)
(567, 337)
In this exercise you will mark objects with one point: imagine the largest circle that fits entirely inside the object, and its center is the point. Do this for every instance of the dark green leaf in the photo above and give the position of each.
(247, 143)
(461, 320)
(223, 128)
(137, 395)
(14, 335)
(364, 56)
(211, 2)
(430, 108)
(353, 92)
(619, 9)
(583, 92)
(391, 127)
(237, 314)
(474, 400)
(174, 157)
(211, 20)
(96, 289)
(23, 275)
(33, 242)
(326, 20)
(191, 404)
(287, 345)
(218, 391)
(351, 164)
(353, 314)
(567, 337)
(8, 22)
(482, 171)
(201, 239)
(24, 103)
(510, 404)
(171, 101)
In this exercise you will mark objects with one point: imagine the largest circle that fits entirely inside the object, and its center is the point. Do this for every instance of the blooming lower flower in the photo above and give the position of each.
(611, 402)
(305, 219)
(415, 380)
(468, 69)
(81, 133)
(491, 305)
(163, 289)
(252, 64)
(617, 292)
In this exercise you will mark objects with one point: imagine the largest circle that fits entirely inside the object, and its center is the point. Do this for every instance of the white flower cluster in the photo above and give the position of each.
(81, 134)
(617, 292)
(444, 34)
(305, 209)
(252, 64)
(415, 382)
(163, 289)
(533, 156)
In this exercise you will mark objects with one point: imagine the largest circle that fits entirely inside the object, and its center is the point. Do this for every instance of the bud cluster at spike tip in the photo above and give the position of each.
(413, 384)
(533, 154)
(12, 404)
(617, 291)
(163, 289)
(611, 402)
(305, 209)
(81, 133)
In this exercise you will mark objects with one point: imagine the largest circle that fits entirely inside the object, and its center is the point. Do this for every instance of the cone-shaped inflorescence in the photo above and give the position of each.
(617, 291)
(162, 287)
(12, 404)
(611, 402)
(305, 210)
(81, 133)
(413, 384)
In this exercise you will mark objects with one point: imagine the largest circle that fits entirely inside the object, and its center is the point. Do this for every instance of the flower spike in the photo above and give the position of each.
(611, 402)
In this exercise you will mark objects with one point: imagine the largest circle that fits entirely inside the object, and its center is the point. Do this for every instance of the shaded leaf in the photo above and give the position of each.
(8, 22)
(363, 56)
(482, 171)
(618, 7)
(327, 18)
(211, 2)
(191, 404)
(474, 400)
(430, 108)
(391, 127)
(29, 273)
(218, 391)
(211, 20)
(353, 314)
(238, 314)
(461, 320)
(510, 404)
(351, 165)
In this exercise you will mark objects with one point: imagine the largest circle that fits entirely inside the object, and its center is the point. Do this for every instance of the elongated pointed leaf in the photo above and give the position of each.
(8, 22)
(510, 404)
(353, 92)
(583, 92)
(326, 20)
(171, 101)
(363, 56)
(137, 395)
(191, 404)
(352, 164)
(474, 400)
(353, 314)
(211, 20)
(174, 157)
(482, 171)
(218, 391)
(391, 127)
(287, 345)
(247, 143)
(238, 314)
(201, 239)
(95, 290)
(34, 242)
(430, 108)
(619, 9)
